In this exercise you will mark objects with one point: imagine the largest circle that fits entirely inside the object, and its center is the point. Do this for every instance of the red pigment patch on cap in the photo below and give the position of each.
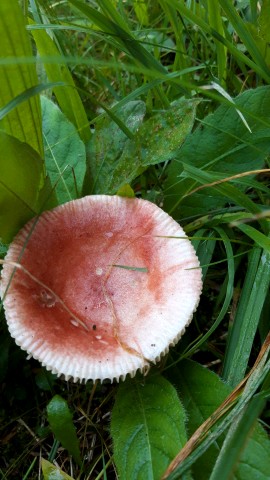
(108, 291)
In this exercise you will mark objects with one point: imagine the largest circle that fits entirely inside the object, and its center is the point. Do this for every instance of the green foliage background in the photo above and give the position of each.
(168, 100)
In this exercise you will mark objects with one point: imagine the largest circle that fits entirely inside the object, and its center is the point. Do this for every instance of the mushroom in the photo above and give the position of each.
(100, 287)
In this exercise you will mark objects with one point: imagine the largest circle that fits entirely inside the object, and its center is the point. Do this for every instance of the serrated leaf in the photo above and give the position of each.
(24, 122)
(60, 420)
(202, 392)
(221, 143)
(107, 144)
(51, 472)
(148, 427)
(65, 156)
(20, 184)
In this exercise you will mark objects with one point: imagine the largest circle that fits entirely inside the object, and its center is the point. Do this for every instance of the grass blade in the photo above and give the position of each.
(235, 52)
(243, 32)
(215, 21)
(67, 96)
(125, 40)
(228, 295)
(228, 191)
(204, 249)
(220, 420)
(236, 440)
(247, 316)
(23, 122)
(26, 95)
(258, 237)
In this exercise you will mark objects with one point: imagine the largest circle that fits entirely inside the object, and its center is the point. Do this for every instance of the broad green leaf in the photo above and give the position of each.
(67, 96)
(21, 181)
(65, 156)
(147, 427)
(126, 191)
(158, 139)
(24, 122)
(155, 141)
(202, 392)
(106, 146)
(60, 420)
(51, 472)
(221, 143)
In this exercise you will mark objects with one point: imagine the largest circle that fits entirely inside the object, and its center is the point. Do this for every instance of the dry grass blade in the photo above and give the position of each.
(228, 179)
(202, 432)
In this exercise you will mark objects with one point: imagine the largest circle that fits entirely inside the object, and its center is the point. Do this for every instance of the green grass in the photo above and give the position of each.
(169, 101)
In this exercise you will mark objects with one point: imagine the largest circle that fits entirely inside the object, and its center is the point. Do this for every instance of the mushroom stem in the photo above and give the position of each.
(39, 282)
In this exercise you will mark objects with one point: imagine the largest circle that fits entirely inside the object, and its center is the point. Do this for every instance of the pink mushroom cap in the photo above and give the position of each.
(105, 287)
